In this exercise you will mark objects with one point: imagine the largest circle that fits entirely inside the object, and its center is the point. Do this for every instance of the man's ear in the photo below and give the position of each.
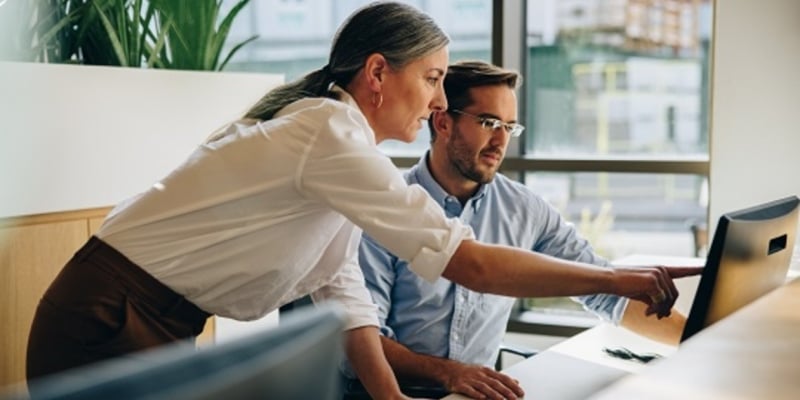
(375, 69)
(442, 123)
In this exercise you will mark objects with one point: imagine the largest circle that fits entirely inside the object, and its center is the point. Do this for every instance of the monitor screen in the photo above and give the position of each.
(749, 256)
(299, 359)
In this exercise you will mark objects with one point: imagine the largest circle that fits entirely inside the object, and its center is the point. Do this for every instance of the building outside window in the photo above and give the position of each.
(616, 108)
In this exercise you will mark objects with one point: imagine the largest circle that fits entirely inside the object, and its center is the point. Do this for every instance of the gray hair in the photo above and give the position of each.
(401, 33)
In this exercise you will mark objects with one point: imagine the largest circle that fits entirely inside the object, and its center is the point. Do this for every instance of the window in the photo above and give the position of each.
(614, 100)
(616, 109)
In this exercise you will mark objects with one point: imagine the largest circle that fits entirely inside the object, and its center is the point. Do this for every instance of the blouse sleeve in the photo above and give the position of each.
(347, 286)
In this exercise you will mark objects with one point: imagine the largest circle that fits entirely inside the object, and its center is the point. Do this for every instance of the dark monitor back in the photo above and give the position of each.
(749, 256)
(297, 360)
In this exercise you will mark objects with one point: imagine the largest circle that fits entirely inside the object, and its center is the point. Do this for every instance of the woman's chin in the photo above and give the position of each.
(406, 137)
(411, 135)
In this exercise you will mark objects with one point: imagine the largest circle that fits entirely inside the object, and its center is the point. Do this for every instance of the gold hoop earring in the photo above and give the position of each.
(377, 99)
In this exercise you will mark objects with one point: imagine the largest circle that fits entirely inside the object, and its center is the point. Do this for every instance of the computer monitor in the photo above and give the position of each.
(297, 360)
(749, 256)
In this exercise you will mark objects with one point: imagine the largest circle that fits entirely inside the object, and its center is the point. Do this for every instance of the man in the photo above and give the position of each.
(442, 331)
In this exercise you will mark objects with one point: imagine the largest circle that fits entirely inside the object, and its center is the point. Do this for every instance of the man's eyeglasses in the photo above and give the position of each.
(493, 124)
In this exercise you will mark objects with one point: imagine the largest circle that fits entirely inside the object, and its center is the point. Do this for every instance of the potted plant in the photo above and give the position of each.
(175, 34)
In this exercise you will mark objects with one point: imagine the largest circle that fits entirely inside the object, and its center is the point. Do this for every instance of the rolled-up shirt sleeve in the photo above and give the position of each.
(344, 170)
(347, 288)
(561, 239)
(379, 274)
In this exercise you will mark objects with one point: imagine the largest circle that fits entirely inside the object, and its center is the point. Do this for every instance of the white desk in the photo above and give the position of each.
(752, 354)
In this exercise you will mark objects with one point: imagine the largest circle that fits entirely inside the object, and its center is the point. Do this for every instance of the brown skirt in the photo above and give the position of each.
(102, 305)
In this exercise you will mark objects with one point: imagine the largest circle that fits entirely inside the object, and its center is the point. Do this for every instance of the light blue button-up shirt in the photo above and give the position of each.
(447, 320)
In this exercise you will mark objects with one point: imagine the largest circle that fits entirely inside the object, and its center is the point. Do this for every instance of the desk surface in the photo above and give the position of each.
(753, 354)
(578, 367)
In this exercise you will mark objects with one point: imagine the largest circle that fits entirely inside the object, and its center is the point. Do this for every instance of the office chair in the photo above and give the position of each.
(515, 350)
(700, 236)
(354, 390)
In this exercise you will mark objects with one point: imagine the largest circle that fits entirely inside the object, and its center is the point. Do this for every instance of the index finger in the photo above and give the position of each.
(509, 383)
(680, 272)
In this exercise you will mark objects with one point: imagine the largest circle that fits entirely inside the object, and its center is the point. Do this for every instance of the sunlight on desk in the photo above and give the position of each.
(589, 346)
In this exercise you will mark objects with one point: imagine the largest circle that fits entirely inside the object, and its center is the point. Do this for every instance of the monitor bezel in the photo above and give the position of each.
(783, 208)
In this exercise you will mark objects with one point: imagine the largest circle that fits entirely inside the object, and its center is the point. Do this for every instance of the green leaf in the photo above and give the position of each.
(162, 39)
(48, 36)
(234, 50)
(183, 34)
(112, 35)
(224, 29)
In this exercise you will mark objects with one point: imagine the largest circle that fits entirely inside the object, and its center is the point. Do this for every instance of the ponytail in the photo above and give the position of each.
(314, 84)
(400, 32)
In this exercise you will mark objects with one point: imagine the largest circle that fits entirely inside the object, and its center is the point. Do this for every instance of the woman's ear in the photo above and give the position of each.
(375, 69)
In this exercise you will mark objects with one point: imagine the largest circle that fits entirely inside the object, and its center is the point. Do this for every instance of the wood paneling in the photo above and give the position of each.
(33, 249)
(48, 218)
(30, 258)
(94, 224)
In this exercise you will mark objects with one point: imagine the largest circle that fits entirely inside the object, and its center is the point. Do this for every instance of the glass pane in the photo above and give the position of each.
(618, 77)
(294, 38)
(625, 214)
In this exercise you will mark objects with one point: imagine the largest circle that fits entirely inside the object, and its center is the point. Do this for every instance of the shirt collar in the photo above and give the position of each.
(346, 98)
(423, 176)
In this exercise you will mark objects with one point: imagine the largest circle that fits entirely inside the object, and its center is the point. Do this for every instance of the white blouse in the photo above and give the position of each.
(273, 211)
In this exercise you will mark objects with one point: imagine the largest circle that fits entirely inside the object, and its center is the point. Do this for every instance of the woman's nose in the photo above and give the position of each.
(439, 101)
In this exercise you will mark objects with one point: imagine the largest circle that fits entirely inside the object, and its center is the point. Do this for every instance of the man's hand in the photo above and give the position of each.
(479, 382)
(652, 286)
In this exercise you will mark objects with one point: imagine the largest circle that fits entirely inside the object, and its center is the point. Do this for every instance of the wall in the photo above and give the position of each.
(80, 137)
(755, 110)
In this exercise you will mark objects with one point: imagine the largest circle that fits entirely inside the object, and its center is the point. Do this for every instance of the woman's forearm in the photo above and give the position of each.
(519, 273)
(365, 353)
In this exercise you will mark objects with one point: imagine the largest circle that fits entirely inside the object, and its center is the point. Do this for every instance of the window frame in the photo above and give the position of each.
(509, 49)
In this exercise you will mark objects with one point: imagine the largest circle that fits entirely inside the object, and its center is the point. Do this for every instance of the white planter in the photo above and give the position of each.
(77, 137)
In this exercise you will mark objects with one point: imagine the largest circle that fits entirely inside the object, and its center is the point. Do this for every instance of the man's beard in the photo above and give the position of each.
(466, 162)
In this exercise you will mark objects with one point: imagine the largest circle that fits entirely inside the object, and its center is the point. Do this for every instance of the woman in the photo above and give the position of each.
(271, 208)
